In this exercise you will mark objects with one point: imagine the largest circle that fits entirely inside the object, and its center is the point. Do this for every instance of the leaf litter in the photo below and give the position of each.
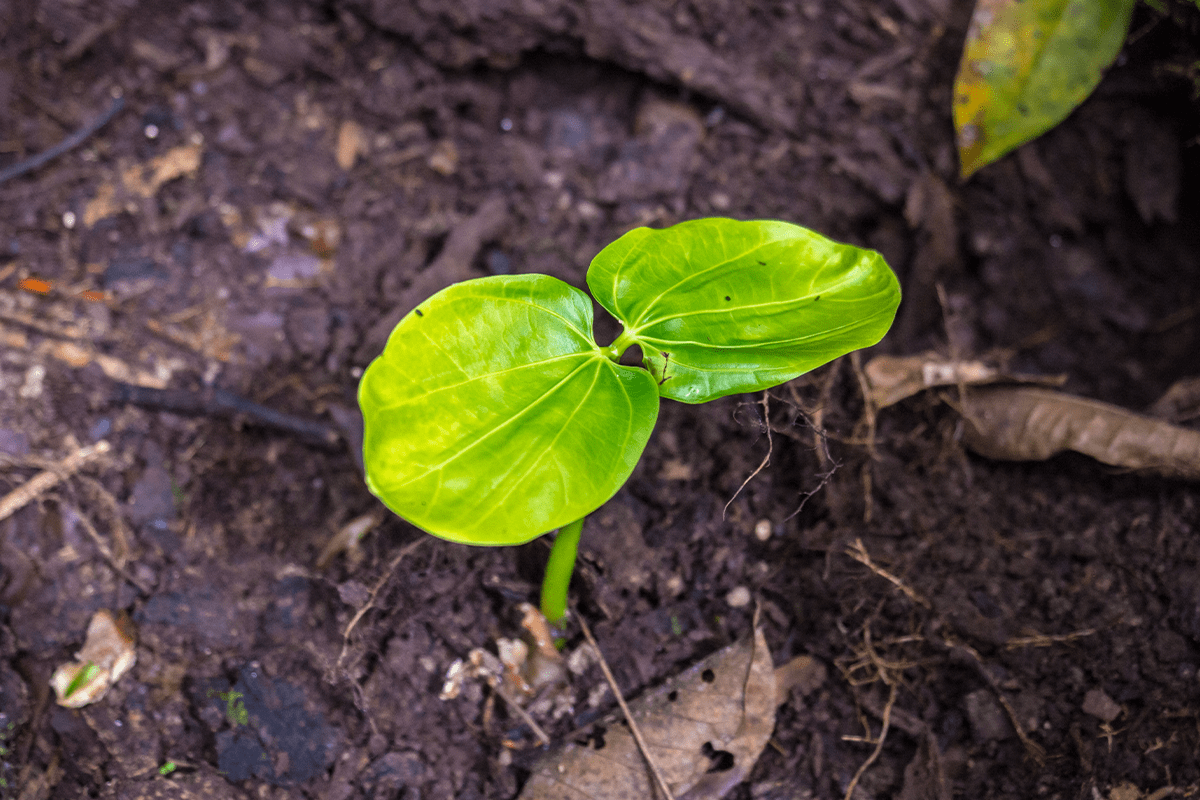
(1023, 423)
(705, 729)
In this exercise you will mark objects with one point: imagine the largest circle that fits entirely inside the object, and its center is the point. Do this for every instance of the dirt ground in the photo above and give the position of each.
(279, 180)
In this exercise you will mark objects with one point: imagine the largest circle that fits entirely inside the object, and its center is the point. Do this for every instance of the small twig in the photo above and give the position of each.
(766, 399)
(859, 553)
(213, 402)
(633, 726)
(367, 606)
(1045, 640)
(883, 731)
(44, 481)
(498, 688)
(106, 553)
(969, 654)
(70, 143)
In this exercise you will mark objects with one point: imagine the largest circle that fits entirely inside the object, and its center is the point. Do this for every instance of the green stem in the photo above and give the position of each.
(559, 569)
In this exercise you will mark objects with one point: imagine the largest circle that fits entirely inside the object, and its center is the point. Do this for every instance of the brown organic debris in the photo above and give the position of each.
(1031, 424)
(723, 705)
(106, 655)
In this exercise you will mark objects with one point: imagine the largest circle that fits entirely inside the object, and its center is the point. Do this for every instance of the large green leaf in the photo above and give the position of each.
(720, 306)
(492, 416)
(1026, 65)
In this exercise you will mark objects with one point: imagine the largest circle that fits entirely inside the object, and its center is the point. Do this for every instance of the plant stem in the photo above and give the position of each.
(558, 570)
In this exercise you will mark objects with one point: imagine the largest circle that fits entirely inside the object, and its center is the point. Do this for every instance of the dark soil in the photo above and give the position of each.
(523, 136)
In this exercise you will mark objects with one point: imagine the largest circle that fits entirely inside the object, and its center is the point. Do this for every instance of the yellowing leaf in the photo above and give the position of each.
(716, 716)
(1026, 65)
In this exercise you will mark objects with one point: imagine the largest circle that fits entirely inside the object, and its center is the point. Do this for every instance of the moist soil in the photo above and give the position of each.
(279, 181)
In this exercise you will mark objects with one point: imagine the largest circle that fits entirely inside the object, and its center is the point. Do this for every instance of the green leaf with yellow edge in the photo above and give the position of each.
(1026, 65)
(721, 306)
(492, 416)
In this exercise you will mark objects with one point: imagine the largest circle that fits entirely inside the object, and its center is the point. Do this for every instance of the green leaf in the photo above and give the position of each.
(493, 417)
(1026, 65)
(720, 306)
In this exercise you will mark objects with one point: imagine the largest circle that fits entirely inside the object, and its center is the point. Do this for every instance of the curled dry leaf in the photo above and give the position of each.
(106, 655)
(894, 378)
(717, 715)
(1033, 424)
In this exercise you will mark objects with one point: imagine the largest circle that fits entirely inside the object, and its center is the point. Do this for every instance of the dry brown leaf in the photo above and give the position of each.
(894, 378)
(724, 704)
(142, 181)
(106, 655)
(1180, 402)
(1032, 424)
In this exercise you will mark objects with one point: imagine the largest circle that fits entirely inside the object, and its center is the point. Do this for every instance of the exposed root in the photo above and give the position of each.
(45, 481)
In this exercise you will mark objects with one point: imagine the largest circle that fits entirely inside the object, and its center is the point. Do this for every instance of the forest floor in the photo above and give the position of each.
(278, 180)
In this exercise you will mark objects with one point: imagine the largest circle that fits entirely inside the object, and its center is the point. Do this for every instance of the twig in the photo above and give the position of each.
(766, 399)
(633, 726)
(214, 402)
(883, 731)
(498, 688)
(859, 553)
(44, 481)
(969, 654)
(383, 579)
(70, 143)
(106, 553)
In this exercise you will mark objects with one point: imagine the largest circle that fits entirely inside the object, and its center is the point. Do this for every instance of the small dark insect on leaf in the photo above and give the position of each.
(815, 299)
(762, 263)
(419, 313)
(726, 297)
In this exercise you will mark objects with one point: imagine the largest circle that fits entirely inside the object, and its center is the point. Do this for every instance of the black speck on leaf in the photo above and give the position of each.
(762, 263)
(726, 297)
(419, 314)
(815, 299)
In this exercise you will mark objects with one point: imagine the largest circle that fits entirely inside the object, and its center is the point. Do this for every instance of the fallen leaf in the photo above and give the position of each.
(106, 655)
(705, 729)
(1180, 402)
(1026, 66)
(894, 378)
(1032, 424)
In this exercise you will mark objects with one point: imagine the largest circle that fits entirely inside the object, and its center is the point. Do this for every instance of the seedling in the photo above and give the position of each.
(493, 416)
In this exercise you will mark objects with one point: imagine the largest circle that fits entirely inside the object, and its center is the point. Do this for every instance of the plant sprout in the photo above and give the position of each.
(493, 416)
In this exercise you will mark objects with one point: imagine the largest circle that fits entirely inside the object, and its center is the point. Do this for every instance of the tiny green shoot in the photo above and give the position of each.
(82, 678)
(235, 709)
(493, 416)
(167, 768)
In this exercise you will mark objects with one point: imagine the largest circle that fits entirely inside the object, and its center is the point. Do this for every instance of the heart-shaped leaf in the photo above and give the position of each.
(1026, 66)
(721, 306)
(492, 416)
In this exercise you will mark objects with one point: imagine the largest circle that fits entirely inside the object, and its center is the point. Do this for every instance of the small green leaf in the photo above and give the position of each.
(493, 417)
(1026, 65)
(720, 306)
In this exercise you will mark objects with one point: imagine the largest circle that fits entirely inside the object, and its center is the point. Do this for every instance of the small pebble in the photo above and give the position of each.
(738, 597)
(762, 530)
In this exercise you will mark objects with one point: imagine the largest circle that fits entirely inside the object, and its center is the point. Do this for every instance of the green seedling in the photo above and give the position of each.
(86, 674)
(235, 709)
(493, 416)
